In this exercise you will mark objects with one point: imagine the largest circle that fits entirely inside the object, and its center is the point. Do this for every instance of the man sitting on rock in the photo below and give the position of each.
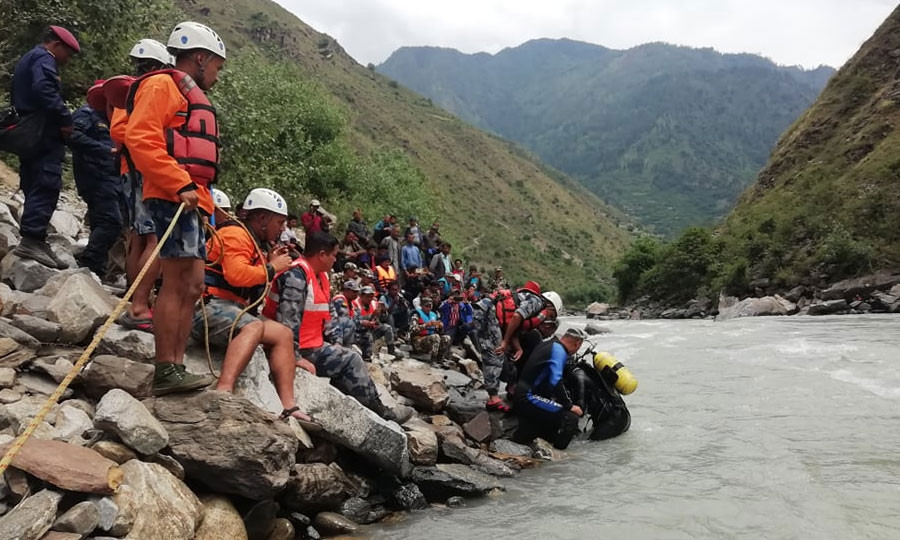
(426, 331)
(236, 275)
(344, 307)
(300, 299)
(374, 324)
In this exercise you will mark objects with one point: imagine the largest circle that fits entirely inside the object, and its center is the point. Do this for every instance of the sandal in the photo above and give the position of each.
(498, 405)
(128, 321)
(308, 425)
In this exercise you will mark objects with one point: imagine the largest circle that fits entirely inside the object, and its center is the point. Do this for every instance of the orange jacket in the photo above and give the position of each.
(159, 105)
(241, 266)
(118, 123)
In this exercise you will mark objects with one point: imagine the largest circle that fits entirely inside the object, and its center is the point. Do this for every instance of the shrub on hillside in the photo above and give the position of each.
(638, 259)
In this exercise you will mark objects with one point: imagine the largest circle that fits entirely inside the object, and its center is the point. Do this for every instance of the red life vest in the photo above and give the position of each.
(506, 303)
(350, 305)
(194, 145)
(364, 311)
(316, 310)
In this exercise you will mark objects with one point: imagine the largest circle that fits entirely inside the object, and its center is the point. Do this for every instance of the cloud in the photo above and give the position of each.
(805, 32)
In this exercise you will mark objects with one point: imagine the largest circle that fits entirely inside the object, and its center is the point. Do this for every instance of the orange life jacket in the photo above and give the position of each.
(364, 311)
(194, 145)
(386, 277)
(316, 311)
(506, 302)
(214, 275)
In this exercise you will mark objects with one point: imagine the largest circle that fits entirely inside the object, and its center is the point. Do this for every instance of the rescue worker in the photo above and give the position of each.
(426, 331)
(96, 178)
(172, 139)
(222, 204)
(146, 55)
(36, 89)
(300, 299)
(235, 277)
(375, 326)
(523, 311)
(542, 403)
(488, 337)
(344, 307)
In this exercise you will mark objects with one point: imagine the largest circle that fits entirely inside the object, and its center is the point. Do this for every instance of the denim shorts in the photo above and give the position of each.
(187, 240)
(220, 315)
(139, 219)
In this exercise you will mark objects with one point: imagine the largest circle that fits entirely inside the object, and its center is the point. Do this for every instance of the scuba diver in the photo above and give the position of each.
(596, 382)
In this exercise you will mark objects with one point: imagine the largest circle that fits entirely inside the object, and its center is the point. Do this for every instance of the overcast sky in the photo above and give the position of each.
(804, 32)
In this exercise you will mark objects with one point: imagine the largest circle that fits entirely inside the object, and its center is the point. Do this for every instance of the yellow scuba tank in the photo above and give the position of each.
(625, 381)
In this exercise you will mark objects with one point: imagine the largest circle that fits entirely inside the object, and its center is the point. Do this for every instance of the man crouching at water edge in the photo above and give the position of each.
(544, 407)
(300, 298)
(235, 276)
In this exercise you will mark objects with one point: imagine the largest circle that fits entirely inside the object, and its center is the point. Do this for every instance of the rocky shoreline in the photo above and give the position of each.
(111, 461)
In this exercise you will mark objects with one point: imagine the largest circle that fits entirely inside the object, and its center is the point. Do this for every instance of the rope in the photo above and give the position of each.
(82, 360)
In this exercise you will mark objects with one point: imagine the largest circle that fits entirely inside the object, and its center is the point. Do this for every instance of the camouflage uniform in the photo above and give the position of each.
(342, 327)
(487, 329)
(495, 284)
(366, 337)
(437, 345)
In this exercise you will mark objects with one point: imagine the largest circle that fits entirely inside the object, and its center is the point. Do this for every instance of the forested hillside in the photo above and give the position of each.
(299, 115)
(670, 134)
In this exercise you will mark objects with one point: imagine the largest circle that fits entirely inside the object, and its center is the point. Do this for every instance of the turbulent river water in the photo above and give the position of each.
(782, 427)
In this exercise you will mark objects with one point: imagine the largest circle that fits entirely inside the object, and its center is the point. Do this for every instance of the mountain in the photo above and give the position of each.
(300, 115)
(670, 134)
(827, 203)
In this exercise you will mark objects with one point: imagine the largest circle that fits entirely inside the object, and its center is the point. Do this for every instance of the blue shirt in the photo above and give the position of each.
(410, 257)
(91, 147)
(37, 87)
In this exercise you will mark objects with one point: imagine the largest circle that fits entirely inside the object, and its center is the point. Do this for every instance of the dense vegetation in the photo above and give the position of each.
(670, 134)
(301, 116)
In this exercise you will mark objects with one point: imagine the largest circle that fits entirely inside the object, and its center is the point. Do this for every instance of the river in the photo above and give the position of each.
(782, 427)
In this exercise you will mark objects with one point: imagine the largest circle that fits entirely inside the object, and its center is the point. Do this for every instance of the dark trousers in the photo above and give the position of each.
(547, 421)
(105, 217)
(41, 181)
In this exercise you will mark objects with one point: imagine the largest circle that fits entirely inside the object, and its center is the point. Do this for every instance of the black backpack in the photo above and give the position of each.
(21, 134)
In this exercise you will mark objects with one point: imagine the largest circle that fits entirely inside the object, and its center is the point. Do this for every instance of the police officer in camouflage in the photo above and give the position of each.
(373, 324)
(344, 323)
(489, 336)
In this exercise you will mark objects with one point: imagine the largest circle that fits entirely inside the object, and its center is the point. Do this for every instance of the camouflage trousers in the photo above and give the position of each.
(346, 331)
(347, 371)
(366, 339)
(437, 345)
(491, 366)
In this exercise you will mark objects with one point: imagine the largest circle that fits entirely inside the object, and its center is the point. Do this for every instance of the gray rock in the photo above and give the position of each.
(348, 423)
(455, 378)
(57, 368)
(471, 368)
(254, 384)
(409, 497)
(106, 372)
(730, 308)
(597, 309)
(829, 307)
(479, 427)
(542, 449)
(505, 446)
(163, 507)
(40, 329)
(130, 420)
(114, 519)
(39, 384)
(79, 307)
(316, 487)
(7, 217)
(133, 344)
(420, 383)
(220, 520)
(448, 480)
(422, 442)
(8, 395)
(24, 274)
(594, 329)
(81, 519)
(171, 464)
(17, 415)
(331, 524)
(64, 223)
(462, 407)
(32, 304)
(227, 443)
(7, 377)
(849, 289)
(282, 530)
(7, 330)
(31, 519)
(72, 423)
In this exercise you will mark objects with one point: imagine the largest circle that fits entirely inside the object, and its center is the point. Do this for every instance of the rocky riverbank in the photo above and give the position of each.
(111, 461)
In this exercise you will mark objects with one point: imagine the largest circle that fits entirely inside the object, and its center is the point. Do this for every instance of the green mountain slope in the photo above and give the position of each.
(302, 116)
(827, 204)
(670, 134)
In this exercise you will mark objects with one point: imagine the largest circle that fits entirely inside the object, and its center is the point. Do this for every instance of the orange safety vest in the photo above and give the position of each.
(316, 310)
(365, 311)
(506, 305)
(350, 305)
(386, 277)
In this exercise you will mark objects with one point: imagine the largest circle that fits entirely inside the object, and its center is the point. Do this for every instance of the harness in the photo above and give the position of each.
(214, 275)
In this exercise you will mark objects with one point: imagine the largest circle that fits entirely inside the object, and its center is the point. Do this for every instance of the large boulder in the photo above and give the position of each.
(220, 520)
(131, 421)
(754, 307)
(24, 274)
(849, 289)
(254, 383)
(829, 307)
(40, 329)
(163, 507)
(31, 519)
(79, 307)
(315, 487)
(227, 443)
(596, 309)
(452, 479)
(106, 372)
(132, 344)
(7, 330)
(594, 329)
(422, 441)
(419, 382)
(348, 423)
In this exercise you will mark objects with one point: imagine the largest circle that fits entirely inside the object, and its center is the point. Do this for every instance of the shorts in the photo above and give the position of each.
(220, 315)
(187, 240)
(138, 219)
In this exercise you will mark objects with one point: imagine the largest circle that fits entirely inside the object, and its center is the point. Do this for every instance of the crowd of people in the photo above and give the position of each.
(146, 152)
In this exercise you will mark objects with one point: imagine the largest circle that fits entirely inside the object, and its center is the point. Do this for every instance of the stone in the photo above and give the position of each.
(456, 502)
(471, 368)
(348, 423)
(124, 343)
(7, 217)
(40, 329)
(462, 407)
(7, 346)
(81, 519)
(849, 289)
(56, 535)
(114, 451)
(7, 330)
(357, 510)
(106, 372)
(409, 497)
(79, 307)
(71, 424)
(130, 420)
(282, 530)
(63, 247)
(420, 383)
(754, 307)
(226, 442)
(829, 307)
(220, 520)
(39, 384)
(32, 304)
(57, 368)
(594, 329)
(596, 309)
(448, 480)
(171, 464)
(8, 395)
(24, 275)
(479, 427)
(164, 508)
(31, 519)
(82, 405)
(67, 466)
(332, 524)
(542, 449)
(505, 446)
(315, 487)
(422, 442)
(794, 295)
(254, 383)
(455, 378)
(7, 377)
(43, 431)
(117, 519)
(64, 223)
(260, 519)
(18, 414)
(17, 359)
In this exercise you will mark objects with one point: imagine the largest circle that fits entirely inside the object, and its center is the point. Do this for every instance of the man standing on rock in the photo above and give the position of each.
(36, 89)
(172, 138)
(300, 298)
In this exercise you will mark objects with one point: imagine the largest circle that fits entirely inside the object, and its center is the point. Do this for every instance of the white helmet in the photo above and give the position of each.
(193, 35)
(220, 199)
(555, 299)
(265, 199)
(150, 49)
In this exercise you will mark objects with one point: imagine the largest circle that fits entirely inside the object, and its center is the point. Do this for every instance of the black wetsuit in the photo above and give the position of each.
(599, 400)
(542, 401)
